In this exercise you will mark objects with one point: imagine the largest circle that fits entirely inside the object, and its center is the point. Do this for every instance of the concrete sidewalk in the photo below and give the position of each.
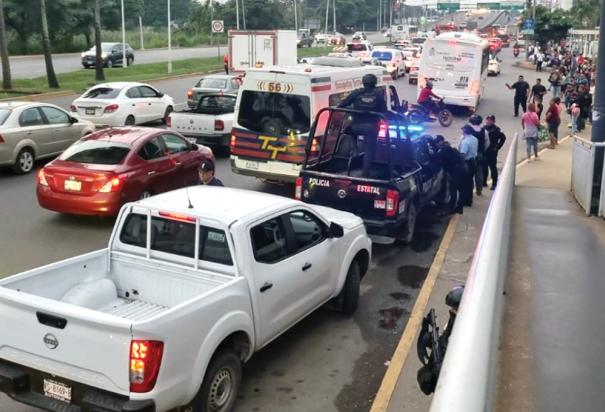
(553, 338)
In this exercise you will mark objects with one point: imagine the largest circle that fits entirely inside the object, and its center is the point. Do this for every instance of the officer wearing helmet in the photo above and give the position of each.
(425, 98)
(368, 99)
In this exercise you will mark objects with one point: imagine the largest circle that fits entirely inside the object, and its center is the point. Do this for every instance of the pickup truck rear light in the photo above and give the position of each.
(72, 108)
(145, 361)
(219, 125)
(392, 203)
(113, 184)
(298, 189)
(232, 142)
(111, 108)
(42, 178)
(383, 128)
(169, 121)
(189, 94)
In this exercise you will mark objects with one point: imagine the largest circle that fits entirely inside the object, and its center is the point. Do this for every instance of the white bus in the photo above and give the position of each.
(457, 64)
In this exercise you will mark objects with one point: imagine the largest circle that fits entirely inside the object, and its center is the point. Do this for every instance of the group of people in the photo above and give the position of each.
(469, 167)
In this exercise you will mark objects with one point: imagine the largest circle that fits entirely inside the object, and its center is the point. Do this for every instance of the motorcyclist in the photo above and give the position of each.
(516, 50)
(368, 99)
(425, 98)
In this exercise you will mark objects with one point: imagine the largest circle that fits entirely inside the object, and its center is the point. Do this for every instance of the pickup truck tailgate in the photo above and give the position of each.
(197, 123)
(365, 199)
(68, 342)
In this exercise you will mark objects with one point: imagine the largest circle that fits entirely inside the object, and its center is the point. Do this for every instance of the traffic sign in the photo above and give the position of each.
(218, 26)
(488, 5)
(448, 6)
(529, 24)
(527, 32)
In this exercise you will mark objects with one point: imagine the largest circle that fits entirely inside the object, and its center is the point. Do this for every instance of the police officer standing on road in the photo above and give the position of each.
(468, 149)
(496, 140)
(480, 134)
(521, 88)
(455, 168)
(206, 174)
(368, 99)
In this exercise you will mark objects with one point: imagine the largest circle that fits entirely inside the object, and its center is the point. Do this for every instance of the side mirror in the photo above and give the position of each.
(194, 146)
(73, 120)
(160, 94)
(336, 231)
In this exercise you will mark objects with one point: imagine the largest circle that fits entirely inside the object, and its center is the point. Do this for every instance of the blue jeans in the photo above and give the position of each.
(556, 91)
(531, 142)
(574, 125)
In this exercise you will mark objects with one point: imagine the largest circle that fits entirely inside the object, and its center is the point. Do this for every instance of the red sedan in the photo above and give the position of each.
(102, 171)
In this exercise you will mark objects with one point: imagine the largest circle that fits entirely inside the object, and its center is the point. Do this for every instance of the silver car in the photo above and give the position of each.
(32, 130)
(212, 84)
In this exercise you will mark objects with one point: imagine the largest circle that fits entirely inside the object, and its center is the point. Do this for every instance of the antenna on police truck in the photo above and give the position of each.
(188, 198)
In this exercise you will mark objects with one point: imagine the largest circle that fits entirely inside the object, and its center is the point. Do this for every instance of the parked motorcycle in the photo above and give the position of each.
(418, 114)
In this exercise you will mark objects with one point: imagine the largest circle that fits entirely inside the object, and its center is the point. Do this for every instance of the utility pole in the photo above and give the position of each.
(379, 16)
(237, 14)
(295, 17)
(327, 15)
(141, 32)
(390, 13)
(169, 41)
(124, 61)
(244, 13)
(334, 15)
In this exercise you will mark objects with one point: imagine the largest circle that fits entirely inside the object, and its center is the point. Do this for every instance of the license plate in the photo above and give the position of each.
(91, 110)
(74, 185)
(251, 165)
(57, 390)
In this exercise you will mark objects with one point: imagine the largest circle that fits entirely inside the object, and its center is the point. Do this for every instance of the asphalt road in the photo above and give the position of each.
(326, 363)
(26, 67)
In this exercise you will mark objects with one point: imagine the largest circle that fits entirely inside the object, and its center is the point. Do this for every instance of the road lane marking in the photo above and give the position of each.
(389, 381)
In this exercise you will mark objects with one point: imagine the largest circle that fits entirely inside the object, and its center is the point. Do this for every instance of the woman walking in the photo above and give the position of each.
(530, 124)
(553, 120)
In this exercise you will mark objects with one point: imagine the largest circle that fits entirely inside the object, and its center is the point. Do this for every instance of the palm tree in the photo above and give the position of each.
(7, 83)
(99, 73)
(53, 83)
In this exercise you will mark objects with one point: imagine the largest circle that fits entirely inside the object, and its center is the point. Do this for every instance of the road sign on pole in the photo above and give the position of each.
(218, 26)
(529, 24)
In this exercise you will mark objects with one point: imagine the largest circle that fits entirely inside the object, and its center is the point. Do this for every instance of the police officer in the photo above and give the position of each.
(468, 149)
(496, 140)
(480, 134)
(206, 174)
(455, 169)
(368, 99)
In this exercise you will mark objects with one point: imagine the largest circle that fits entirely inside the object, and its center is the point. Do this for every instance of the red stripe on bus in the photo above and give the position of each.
(254, 154)
(250, 145)
(321, 88)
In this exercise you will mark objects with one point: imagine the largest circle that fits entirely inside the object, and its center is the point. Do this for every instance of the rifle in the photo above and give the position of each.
(428, 374)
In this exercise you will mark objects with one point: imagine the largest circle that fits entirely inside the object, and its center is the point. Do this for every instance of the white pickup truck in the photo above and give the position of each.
(209, 123)
(194, 281)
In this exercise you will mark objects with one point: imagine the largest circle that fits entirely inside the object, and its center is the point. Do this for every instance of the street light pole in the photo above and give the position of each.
(295, 17)
(169, 41)
(327, 16)
(237, 14)
(141, 32)
(334, 15)
(244, 13)
(124, 61)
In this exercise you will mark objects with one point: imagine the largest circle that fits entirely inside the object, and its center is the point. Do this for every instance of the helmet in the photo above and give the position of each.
(369, 80)
(475, 120)
(429, 84)
(454, 296)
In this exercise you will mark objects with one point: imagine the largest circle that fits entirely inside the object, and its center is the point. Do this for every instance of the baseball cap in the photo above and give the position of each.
(491, 116)
(206, 166)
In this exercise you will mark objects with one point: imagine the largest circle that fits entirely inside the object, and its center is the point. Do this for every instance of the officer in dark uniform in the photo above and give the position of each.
(455, 169)
(206, 174)
(479, 132)
(368, 99)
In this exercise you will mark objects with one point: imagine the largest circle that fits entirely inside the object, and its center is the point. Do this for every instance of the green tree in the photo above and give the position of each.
(7, 83)
(549, 25)
(585, 14)
(53, 83)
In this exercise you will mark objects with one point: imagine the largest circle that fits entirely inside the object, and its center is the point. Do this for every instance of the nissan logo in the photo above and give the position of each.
(342, 193)
(50, 341)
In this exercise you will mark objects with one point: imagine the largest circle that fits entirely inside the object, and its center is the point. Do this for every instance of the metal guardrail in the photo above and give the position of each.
(467, 377)
(582, 171)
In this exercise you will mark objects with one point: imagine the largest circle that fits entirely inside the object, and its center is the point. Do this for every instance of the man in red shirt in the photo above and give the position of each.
(425, 98)
(226, 63)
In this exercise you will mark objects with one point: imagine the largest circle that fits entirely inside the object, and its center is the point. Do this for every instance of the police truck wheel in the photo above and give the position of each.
(408, 229)
(221, 384)
(350, 290)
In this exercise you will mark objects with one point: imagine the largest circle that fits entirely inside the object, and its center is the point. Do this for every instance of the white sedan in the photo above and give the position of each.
(122, 103)
(493, 67)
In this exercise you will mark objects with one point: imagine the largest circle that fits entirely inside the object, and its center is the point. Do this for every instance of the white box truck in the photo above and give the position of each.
(250, 49)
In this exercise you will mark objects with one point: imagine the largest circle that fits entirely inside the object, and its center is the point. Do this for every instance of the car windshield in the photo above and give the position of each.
(210, 83)
(276, 114)
(106, 47)
(100, 152)
(356, 47)
(102, 93)
(382, 55)
(216, 104)
(4, 113)
(418, 40)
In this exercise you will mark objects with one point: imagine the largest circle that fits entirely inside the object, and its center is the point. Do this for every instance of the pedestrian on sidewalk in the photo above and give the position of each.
(496, 139)
(584, 101)
(555, 82)
(575, 116)
(521, 88)
(537, 96)
(455, 170)
(553, 120)
(468, 149)
(539, 61)
(530, 124)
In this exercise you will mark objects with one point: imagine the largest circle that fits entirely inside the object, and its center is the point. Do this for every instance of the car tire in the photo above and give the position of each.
(145, 194)
(129, 61)
(220, 387)
(25, 161)
(169, 110)
(109, 63)
(350, 290)
(130, 121)
(409, 227)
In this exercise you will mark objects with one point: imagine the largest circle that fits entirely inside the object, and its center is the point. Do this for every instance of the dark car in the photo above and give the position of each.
(404, 172)
(111, 53)
(304, 40)
(102, 171)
